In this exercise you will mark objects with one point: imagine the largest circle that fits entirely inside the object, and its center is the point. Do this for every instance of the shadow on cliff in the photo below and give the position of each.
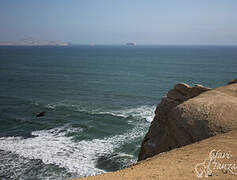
(190, 114)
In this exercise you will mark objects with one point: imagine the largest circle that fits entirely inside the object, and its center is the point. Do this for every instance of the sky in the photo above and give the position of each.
(159, 22)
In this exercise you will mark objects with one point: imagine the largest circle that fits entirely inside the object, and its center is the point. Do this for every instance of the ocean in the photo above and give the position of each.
(98, 103)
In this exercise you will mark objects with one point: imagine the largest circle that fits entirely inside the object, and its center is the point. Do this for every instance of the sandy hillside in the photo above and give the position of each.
(180, 163)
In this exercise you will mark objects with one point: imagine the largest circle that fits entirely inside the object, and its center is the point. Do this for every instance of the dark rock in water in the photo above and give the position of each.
(40, 114)
(233, 81)
(190, 114)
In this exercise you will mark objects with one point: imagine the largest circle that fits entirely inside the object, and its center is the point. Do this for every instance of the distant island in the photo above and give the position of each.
(131, 44)
(33, 42)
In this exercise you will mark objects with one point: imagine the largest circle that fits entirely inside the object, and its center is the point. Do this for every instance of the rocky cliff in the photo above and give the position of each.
(190, 114)
(185, 116)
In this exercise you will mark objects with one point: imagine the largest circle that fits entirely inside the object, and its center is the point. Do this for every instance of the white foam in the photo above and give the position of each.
(58, 104)
(53, 147)
(16, 167)
(50, 106)
(143, 112)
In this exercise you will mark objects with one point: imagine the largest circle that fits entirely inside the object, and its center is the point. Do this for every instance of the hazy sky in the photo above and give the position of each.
(120, 21)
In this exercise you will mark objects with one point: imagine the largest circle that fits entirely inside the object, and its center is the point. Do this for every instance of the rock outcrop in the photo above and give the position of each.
(190, 114)
(233, 81)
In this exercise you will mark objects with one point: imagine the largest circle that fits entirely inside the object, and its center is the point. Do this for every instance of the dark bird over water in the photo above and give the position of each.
(40, 114)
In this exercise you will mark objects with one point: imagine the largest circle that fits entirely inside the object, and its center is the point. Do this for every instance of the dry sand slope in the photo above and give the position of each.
(180, 163)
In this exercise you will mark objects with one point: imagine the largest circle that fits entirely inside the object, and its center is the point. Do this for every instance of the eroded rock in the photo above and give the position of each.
(190, 114)
(233, 81)
(183, 88)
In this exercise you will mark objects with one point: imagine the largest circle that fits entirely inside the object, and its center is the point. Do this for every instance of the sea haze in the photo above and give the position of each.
(98, 103)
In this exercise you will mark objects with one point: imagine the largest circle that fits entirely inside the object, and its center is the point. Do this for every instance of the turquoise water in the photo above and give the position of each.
(98, 103)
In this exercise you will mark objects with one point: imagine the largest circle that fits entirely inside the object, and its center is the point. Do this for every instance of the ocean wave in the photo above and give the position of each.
(143, 112)
(54, 147)
(13, 166)
(50, 106)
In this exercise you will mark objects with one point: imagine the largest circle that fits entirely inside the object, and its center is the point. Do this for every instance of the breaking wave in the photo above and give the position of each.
(143, 112)
(54, 147)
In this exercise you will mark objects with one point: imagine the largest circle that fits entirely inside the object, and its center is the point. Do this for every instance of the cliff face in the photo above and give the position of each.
(190, 114)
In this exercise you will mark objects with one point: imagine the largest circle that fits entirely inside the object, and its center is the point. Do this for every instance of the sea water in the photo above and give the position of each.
(98, 103)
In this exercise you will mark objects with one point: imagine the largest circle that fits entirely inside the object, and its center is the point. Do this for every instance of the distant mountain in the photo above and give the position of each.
(33, 42)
